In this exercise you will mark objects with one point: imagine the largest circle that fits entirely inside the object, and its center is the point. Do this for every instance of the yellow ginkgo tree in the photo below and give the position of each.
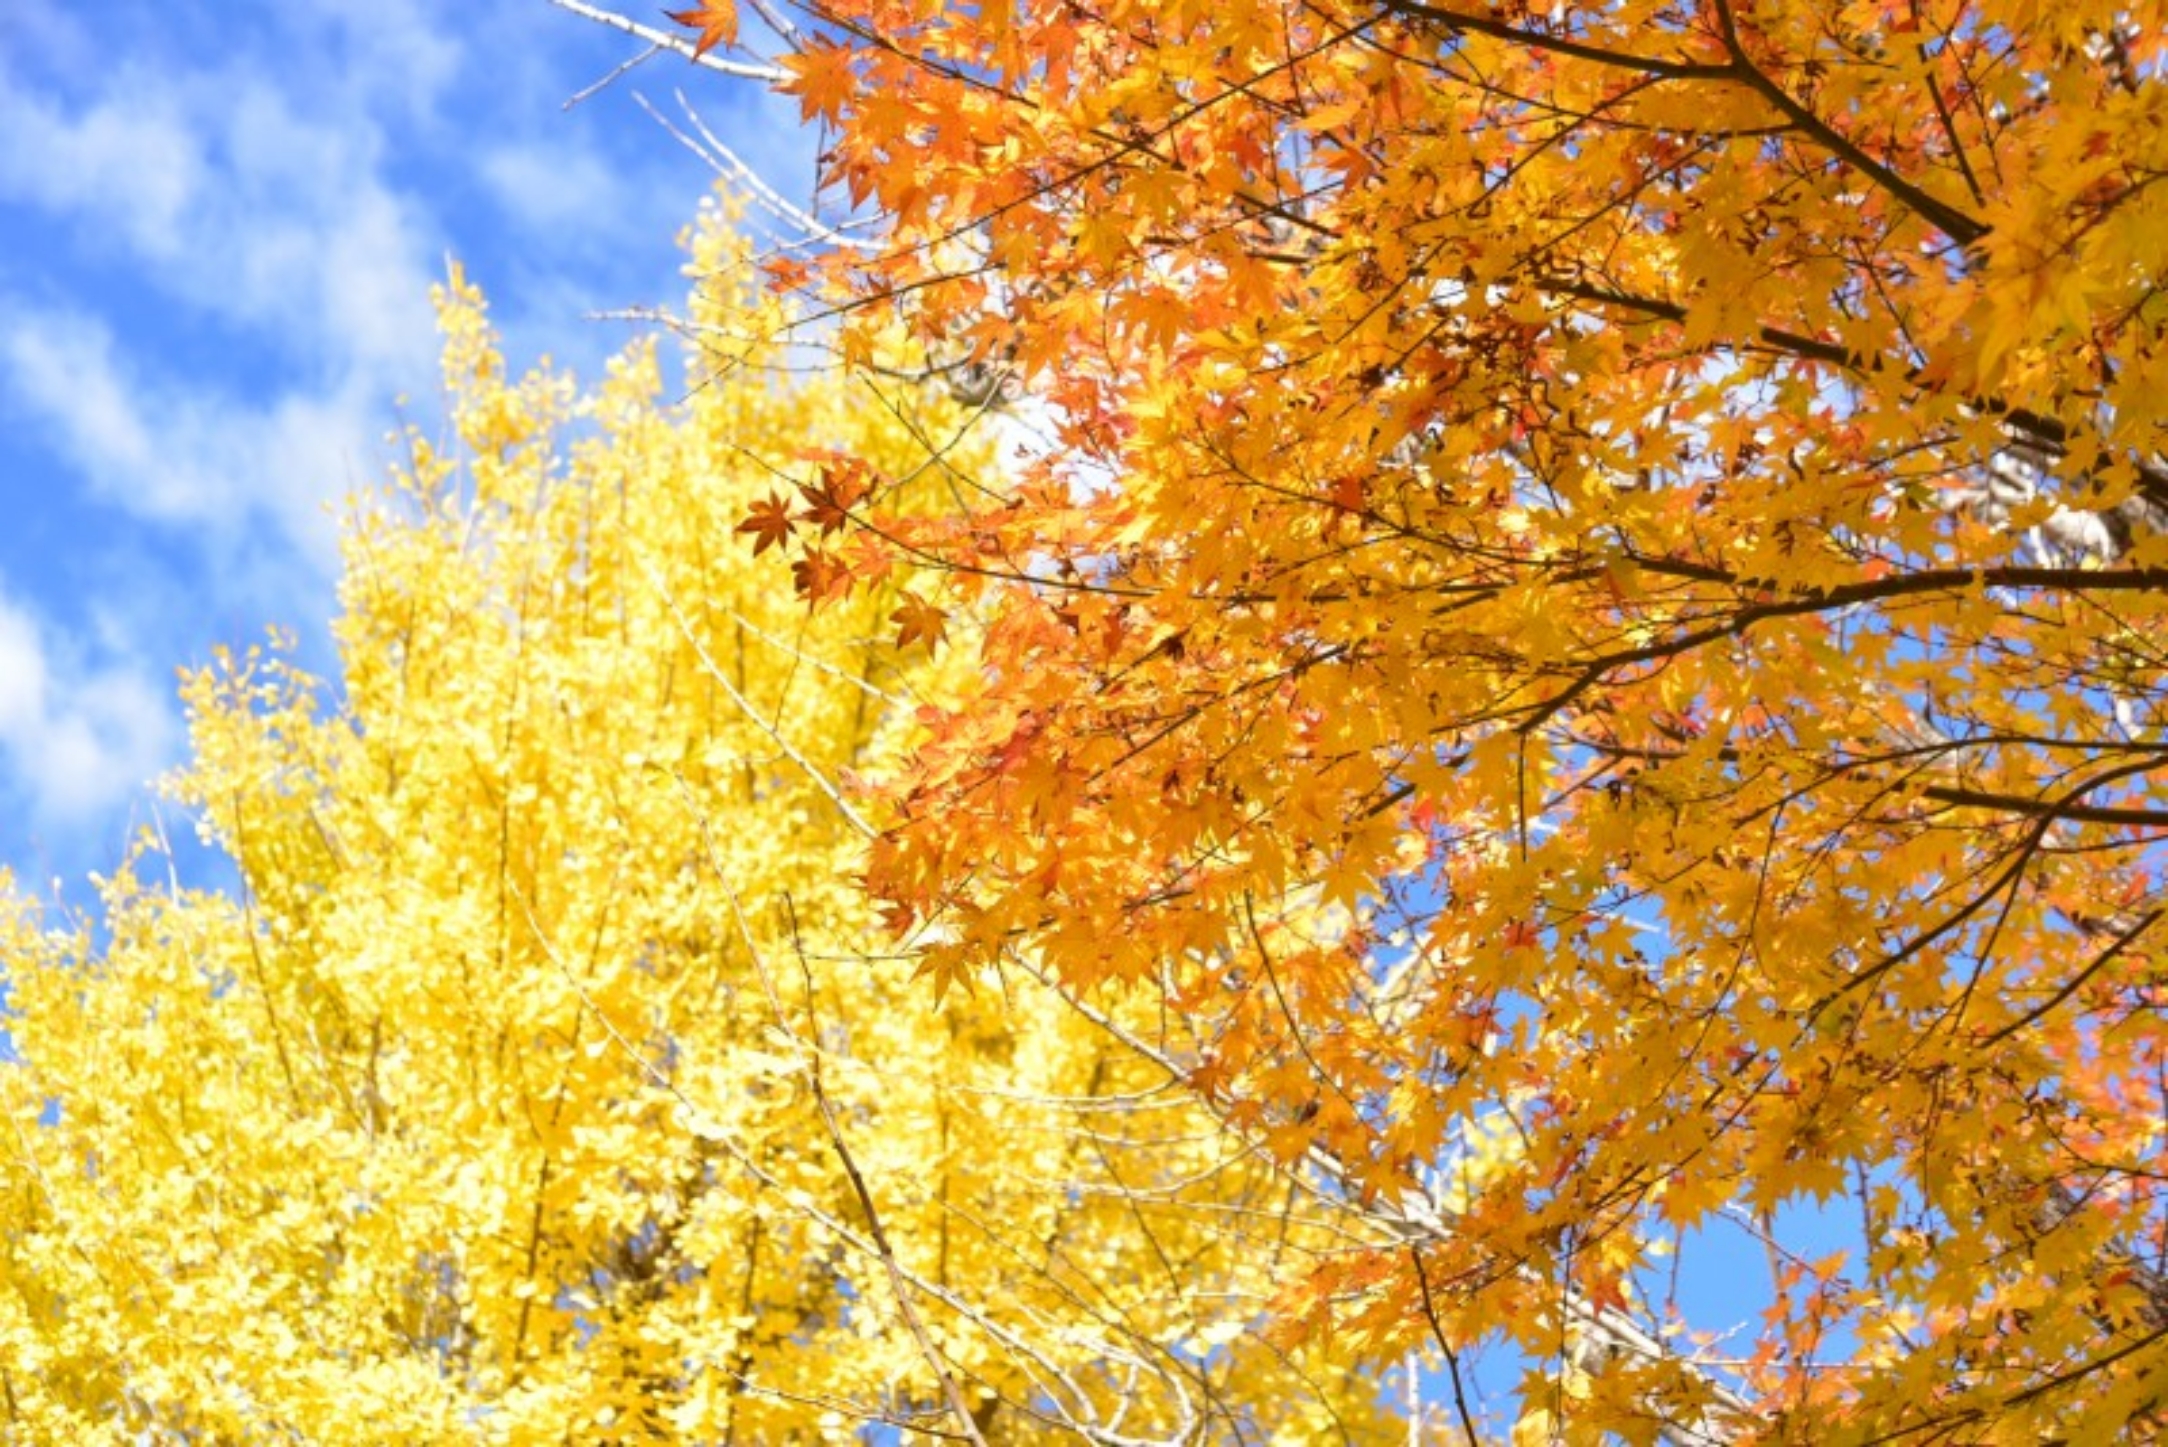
(536, 1081)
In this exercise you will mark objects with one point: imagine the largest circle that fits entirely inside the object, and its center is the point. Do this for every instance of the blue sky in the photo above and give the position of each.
(219, 222)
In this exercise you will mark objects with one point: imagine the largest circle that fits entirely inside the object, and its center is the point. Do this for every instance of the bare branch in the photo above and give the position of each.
(676, 44)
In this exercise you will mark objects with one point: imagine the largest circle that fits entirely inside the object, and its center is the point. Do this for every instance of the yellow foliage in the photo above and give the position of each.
(520, 1090)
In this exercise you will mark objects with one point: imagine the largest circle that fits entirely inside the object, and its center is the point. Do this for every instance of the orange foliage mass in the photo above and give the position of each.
(1591, 619)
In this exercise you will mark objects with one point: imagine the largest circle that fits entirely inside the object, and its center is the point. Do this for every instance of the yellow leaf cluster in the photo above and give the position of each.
(541, 1076)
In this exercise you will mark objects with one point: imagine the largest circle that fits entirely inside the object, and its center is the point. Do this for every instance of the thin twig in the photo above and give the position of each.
(1452, 1358)
(617, 72)
(731, 164)
(820, 780)
(676, 44)
(886, 1252)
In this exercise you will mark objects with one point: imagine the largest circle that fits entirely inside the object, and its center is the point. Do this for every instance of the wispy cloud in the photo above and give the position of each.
(79, 736)
(555, 187)
(239, 207)
(218, 464)
(269, 224)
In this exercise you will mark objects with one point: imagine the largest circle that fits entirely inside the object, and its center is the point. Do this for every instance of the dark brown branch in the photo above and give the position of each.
(1497, 29)
(2070, 987)
(1947, 218)
(1818, 600)
(1452, 1358)
(2047, 433)
(2078, 1373)
(2077, 813)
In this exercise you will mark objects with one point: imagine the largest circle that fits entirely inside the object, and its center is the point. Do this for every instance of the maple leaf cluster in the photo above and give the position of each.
(1661, 507)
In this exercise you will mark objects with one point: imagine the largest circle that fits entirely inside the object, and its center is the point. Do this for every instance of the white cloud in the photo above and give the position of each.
(267, 219)
(60, 367)
(403, 53)
(239, 203)
(190, 456)
(79, 739)
(551, 185)
(139, 166)
(241, 209)
(258, 193)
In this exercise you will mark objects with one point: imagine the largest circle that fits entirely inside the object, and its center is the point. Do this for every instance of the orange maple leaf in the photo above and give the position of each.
(1607, 1291)
(821, 78)
(716, 20)
(1468, 550)
(829, 501)
(918, 620)
(769, 523)
(820, 576)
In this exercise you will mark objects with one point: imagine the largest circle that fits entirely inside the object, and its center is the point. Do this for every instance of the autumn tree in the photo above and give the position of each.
(1650, 509)
(541, 1078)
